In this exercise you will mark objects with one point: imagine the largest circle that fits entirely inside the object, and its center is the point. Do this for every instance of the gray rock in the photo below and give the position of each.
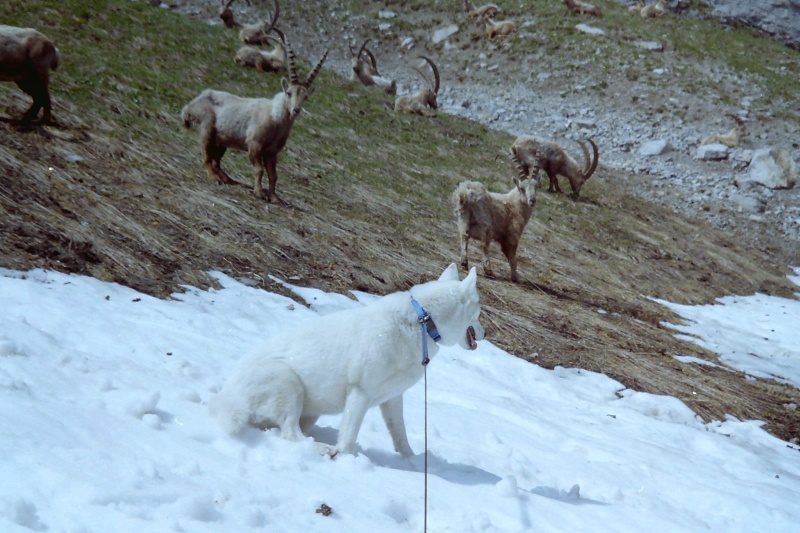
(591, 30)
(653, 46)
(712, 152)
(773, 168)
(654, 147)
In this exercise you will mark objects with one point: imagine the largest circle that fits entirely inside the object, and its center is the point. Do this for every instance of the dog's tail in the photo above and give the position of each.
(231, 412)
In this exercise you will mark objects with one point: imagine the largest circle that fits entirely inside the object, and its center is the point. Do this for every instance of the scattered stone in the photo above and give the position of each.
(773, 168)
(652, 46)
(387, 14)
(443, 33)
(651, 148)
(591, 30)
(712, 152)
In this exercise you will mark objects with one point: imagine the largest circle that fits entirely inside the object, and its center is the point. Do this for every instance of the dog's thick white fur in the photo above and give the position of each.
(347, 362)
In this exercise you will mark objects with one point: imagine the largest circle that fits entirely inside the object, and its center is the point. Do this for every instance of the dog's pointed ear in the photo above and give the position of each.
(471, 281)
(450, 273)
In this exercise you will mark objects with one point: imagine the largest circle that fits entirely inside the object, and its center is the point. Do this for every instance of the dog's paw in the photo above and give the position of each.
(325, 449)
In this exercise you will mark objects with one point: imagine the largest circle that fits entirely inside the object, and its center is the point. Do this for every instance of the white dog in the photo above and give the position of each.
(349, 361)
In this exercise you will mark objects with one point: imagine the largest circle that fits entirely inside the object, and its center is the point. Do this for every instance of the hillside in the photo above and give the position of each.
(116, 190)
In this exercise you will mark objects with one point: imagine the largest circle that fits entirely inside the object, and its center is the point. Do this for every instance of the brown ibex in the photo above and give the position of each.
(581, 8)
(730, 139)
(366, 70)
(488, 216)
(549, 156)
(26, 58)
(259, 126)
(423, 102)
(489, 10)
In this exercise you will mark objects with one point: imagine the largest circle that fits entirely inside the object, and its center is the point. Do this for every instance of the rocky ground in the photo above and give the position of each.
(490, 83)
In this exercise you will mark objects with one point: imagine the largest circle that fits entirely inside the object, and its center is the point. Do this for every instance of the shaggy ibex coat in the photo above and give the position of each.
(259, 126)
(26, 58)
(534, 152)
(423, 102)
(487, 216)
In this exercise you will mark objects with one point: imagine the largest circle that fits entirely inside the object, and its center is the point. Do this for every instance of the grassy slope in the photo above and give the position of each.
(117, 191)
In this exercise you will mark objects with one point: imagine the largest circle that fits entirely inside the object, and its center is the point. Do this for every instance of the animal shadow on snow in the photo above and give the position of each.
(458, 473)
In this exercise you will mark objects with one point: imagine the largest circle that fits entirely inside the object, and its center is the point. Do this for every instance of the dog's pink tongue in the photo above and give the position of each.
(471, 338)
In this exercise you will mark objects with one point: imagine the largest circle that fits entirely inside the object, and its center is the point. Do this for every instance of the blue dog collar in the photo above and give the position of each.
(427, 325)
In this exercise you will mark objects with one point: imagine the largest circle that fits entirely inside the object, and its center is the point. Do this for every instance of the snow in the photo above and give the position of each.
(104, 427)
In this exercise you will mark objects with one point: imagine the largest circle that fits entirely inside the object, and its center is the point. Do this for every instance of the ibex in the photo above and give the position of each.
(272, 61)
(226, 14)
(501, 29)
(26, 58)
(534, 152)
(655, 10)
(259, 126)
(366, 70)
(487, 216)
(423, 102)
(581, 8)
(489, 10)
(259, 33)
(730, 139)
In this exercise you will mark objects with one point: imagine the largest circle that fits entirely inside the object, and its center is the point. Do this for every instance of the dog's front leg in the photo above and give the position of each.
(355, 407)
(392, 411)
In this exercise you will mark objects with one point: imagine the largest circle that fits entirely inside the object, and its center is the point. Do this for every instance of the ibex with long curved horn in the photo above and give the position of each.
(260, 33)
(259, 126)
(366, 70)
(423, 102)
(534, 152)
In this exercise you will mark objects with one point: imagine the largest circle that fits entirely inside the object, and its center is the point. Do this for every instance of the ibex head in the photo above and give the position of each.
(226, 14)
(527, 182)
(295, 90)
(358, 61)
(431, 93)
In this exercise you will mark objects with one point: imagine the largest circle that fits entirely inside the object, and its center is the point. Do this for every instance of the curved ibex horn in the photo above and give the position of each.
(313, 73)
(372, 60)
(435, 73)
(533, 171)
(590, 166)
(361, 50)
(281, 35)
(274, 18)
(293, 79)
